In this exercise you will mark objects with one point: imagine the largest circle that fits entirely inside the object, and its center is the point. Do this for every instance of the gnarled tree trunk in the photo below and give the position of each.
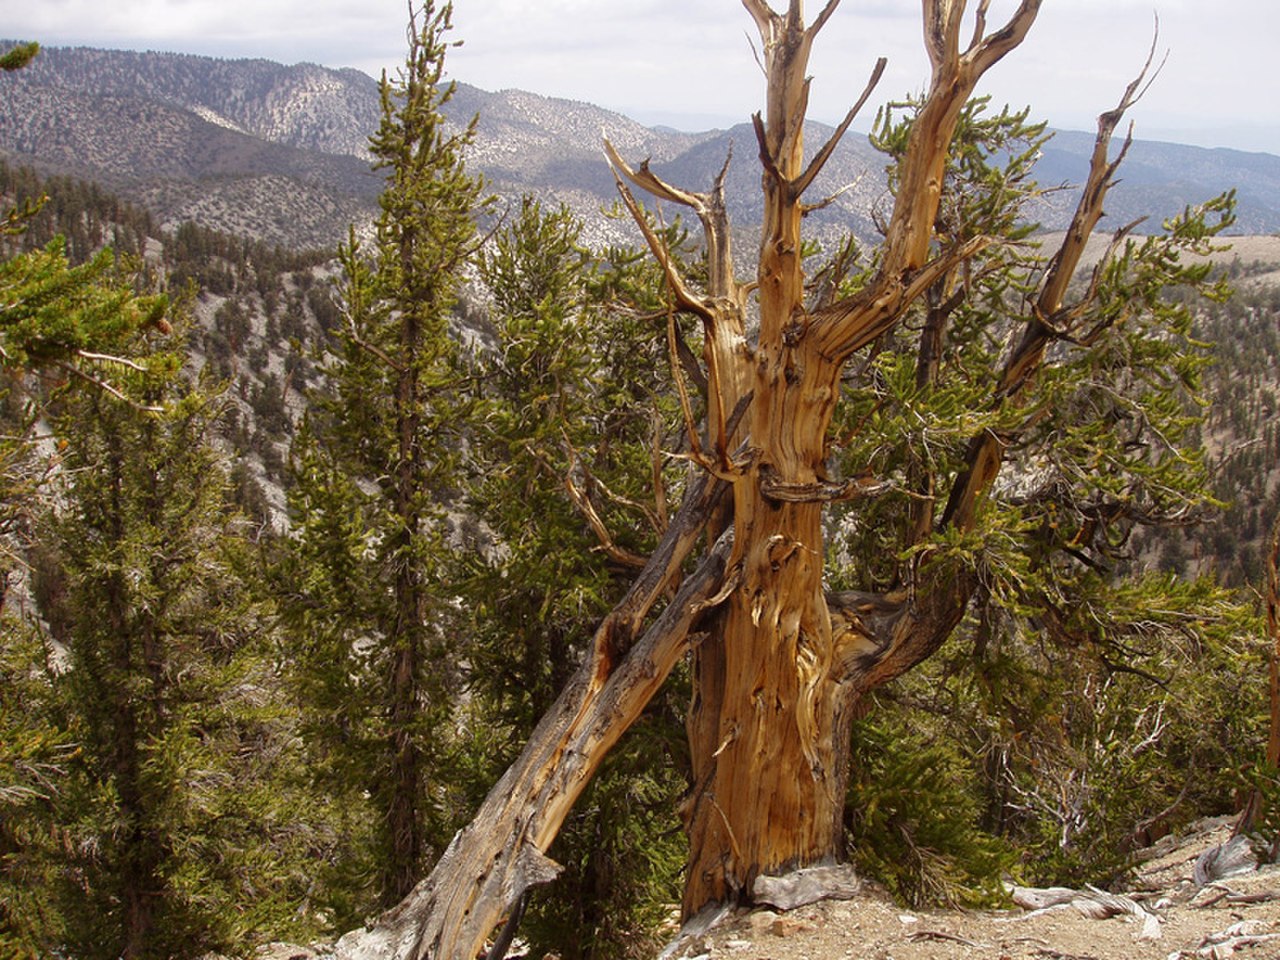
(768, 737)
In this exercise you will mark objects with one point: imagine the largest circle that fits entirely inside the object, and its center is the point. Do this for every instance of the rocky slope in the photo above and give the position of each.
(1165, 914)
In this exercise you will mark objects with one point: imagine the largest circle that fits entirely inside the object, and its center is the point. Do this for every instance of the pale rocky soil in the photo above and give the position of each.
(1264, 249)
(1208, 922)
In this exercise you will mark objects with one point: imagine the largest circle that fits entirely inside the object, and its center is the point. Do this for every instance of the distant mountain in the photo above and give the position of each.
(278, 152)
(1160, 179)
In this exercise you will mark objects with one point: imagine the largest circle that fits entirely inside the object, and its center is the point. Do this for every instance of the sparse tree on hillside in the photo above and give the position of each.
(368, 604)
(1076, 386)
(18, 56)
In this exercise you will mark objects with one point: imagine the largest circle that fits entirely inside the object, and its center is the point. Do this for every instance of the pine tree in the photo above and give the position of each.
(57, 320)
(972, 497)
(35, 751)
(575, 401)
(18, 56)
(173, 809)
(374, 471)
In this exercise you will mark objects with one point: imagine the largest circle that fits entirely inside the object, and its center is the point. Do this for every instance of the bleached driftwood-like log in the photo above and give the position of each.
(1229, 859)
(1091, 902)
(802, 887)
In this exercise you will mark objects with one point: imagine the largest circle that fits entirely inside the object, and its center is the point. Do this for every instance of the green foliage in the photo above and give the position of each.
(61, 318)
(1140, 731)
(1068, 755)
(176, 813)
(18, 56)
(368, 601)
(1077, 704)
(34, 755)
(573, 399)
(915, 813)
(1241, 436)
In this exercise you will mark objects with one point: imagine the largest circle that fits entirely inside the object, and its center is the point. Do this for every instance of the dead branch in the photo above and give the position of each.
(112, 359)
(1026, 359)
(491, 863)
(619, 555)
(708, 207)
(1102, 169)
(100, 384)
(655, 471)
(685, 298)
(822, 156)
(808, 208)
(985, 51)
(850, 324)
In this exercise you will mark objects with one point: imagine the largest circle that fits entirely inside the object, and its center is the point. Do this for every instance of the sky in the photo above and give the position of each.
(690, 63)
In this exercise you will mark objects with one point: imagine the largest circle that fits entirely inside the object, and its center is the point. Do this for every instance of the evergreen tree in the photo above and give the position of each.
(18, 56)
(953, 419)
(374, 470)
(563, 457)
(34, 754)
(57, 320)
(178, 815)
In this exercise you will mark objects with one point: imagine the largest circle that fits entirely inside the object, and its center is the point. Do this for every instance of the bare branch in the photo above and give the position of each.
(106, 387)
(489, 865)
(618, 554)
(766, 156)
(822, 18)
(686, 408)
(994, 47)
(112, 359)
(711, 214)
(646, 179)
(822, 156)
(685, 298)
(1088, 212)
(764, 17)
(831, 198)
(655, 469)
(850, 324)
(980, 23)
(942, 30)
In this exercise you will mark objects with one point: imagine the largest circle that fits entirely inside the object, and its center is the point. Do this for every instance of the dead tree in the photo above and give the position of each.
(779, 665)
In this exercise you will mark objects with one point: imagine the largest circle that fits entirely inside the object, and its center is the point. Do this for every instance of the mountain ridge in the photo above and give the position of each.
(279, 152)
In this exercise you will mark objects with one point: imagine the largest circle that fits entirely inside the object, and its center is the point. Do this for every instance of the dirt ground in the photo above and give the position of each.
(1238, 916)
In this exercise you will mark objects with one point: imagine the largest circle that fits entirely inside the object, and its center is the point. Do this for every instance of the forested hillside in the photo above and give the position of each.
(294, 573)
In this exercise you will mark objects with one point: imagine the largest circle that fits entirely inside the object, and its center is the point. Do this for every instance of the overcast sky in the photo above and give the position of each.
(689, 63)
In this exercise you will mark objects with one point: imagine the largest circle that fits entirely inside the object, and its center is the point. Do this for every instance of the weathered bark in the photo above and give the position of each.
(502, 853)
(772, 695)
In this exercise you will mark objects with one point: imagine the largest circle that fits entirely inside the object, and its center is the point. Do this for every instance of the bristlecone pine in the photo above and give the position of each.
(779, 665)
